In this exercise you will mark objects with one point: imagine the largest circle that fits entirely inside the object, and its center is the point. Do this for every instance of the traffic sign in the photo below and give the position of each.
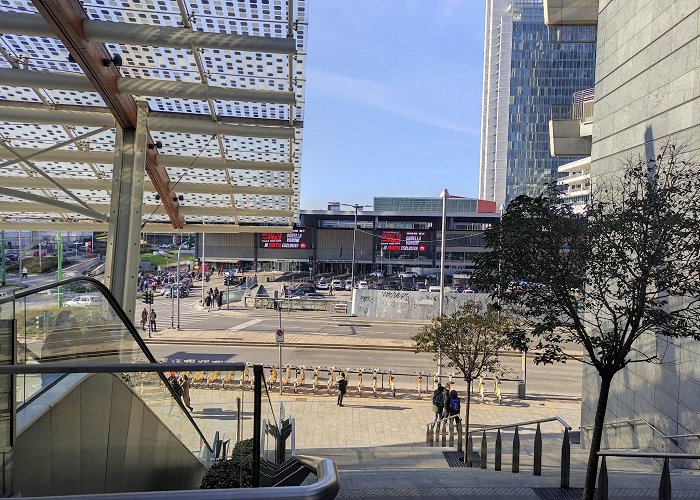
(280, 336)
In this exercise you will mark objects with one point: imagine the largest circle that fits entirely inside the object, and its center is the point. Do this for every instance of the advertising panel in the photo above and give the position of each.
(299, 239)
(403, 241)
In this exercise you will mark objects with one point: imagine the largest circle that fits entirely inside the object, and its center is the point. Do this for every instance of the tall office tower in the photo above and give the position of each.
(530, 74)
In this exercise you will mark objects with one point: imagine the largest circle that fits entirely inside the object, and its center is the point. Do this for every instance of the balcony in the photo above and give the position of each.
(573, 136)
(571, 12)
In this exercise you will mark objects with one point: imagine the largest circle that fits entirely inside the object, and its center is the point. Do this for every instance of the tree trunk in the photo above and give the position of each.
(466, 416)
(592, 467)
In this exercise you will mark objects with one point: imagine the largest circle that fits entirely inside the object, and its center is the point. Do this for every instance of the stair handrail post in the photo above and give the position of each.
(537, 466)
(427, 434)
(257, 414)
(665, 484)
(516, 451)
(603, 481)
(452, 433)
(459, 437)
(444, 434)
(499, 451)
(565, 460)
(484, 450)
(468, 451)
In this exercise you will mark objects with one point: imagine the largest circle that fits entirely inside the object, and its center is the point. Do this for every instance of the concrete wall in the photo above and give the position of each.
(647, 90)
(407, 305)
(92, 434)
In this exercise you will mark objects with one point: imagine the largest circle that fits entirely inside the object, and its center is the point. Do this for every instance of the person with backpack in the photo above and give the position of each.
(342, 388)
(446, 399)
(453, 407)
(438, 402)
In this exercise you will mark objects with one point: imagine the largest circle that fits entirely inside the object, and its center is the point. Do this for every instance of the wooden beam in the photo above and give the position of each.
(65, 18)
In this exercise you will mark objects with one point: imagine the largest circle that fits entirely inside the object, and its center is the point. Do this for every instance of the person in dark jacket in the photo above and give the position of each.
(453, 405)
(446, 398)
(342, 388)
(219, 300)
(438, 402)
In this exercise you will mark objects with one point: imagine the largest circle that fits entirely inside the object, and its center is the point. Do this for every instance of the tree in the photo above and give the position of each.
(625, 270)
(470, 339)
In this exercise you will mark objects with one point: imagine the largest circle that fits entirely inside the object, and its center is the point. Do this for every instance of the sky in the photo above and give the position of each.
(393, 100)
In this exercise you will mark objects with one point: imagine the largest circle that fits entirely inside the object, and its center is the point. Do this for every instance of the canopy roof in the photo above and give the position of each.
(223, 81)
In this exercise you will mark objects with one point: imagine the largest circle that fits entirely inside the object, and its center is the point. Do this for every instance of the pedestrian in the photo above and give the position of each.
(438, 402)
(152, 317)
(453, 406)
(342, 388)
(481, 389)
(207, 301)
(331, 290)
(144, 318)
(24, 273)
(497, 388)
(177, 388)
(446, 398)
(186, 392)
(219, 301)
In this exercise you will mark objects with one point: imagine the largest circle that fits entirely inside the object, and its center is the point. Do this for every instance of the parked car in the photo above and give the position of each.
(378, 286)
(322, 284)
(421, 288)
(232, 281)
(376, 274)
(337, 284)
(408, 274)
(362, 285)
(314, 296)
(406, 286)
(84, 301)
(36, 253)
(348, 285)
(393, 285)
(172, 291)
(434, 289)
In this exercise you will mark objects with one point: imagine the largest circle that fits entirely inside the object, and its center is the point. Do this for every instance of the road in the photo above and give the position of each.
(563, 380)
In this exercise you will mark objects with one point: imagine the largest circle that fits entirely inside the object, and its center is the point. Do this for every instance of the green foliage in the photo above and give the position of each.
(227, 473)
(470, 339)
(48, 264)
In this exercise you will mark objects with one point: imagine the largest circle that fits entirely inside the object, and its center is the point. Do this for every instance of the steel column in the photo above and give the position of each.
(123, 248)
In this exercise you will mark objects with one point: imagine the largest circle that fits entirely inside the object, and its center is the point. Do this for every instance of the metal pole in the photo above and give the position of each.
(257, 417)
(41, 269)
(444, 194)
(2, 258)
(20, 256)
(177, 279)
(59, 262)
(354, 236)
(204, 267)
(279, 374)
(172, 299)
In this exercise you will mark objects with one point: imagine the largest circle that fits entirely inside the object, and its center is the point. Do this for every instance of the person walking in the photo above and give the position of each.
(219, 301)
(342, 388)
(331, 290)
(438, 402)
(207, 301)
(152, 320)
(453, 406)
(144, 318)
(446, 399)
(186, 392)
(24, 273)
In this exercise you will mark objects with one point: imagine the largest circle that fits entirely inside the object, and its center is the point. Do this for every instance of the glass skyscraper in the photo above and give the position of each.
(530, 74)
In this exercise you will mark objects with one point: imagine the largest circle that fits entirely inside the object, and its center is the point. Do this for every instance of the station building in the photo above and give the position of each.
(396, 234)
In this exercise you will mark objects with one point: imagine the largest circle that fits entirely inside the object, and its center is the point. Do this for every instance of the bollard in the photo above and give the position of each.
(239, 425)
(444, 433)
(459, 436)
(427, 434)
(468, 451)
(603, 481)
(483, 450)
(452, 432)
(565, 460)
(498, 450)
(432, 434)
(665, 485)
(516, 451)
(537, 466)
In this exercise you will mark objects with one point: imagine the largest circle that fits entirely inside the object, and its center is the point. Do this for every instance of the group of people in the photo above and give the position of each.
(181, 388)
(213, 298)
(149, 318)
(446, 402)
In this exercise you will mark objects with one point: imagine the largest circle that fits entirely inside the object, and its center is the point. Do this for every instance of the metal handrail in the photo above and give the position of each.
(523, 424)
(647, 454)
(649, 424)
(107, 294)
(326, 488)
(111, 368)
(445, 419)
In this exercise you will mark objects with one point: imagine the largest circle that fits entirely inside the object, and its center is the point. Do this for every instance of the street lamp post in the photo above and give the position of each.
(444, 195)
(354, 238)
(177, 282)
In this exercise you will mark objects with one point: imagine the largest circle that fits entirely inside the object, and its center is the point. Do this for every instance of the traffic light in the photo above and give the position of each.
(311, 260)
(190, 241)
(148, 297)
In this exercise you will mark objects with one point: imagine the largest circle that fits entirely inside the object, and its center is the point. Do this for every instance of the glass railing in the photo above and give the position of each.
(78, 322)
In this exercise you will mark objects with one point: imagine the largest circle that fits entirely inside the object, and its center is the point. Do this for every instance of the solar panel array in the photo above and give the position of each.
(222, 68)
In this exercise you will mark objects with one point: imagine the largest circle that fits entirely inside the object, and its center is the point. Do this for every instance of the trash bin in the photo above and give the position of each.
(521, 390)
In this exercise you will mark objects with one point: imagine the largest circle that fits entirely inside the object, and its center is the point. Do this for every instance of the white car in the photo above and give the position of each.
(348, 285)
(434, 288)
(322, 284)
(421, 288)
(83, 301)
(362, 285)
(337, 284)
(408, 274)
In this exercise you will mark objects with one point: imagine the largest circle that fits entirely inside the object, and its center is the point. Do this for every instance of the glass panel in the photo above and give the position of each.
(75, 324)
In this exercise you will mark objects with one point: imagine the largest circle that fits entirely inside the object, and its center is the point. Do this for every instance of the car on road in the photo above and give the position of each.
(408, 274)
(84, 301)
(301, 290)
(348, 285)
(172, 291)
(233, 280)
(314, 296)
(407, 286)
(337, 284)
(434, 289)
(36, 253)
(379, 286)
(376, 274)
(421, 288)
(322, 284)
(362, 285)
(393, 285)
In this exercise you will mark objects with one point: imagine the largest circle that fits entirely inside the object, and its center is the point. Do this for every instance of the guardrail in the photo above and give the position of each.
(293, 304)
(438, 429)
(665, 483)
(672, 437)
(515, 466)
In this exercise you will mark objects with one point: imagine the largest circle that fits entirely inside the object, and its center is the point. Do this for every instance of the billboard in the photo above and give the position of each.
(298, 239)
(404, 241)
